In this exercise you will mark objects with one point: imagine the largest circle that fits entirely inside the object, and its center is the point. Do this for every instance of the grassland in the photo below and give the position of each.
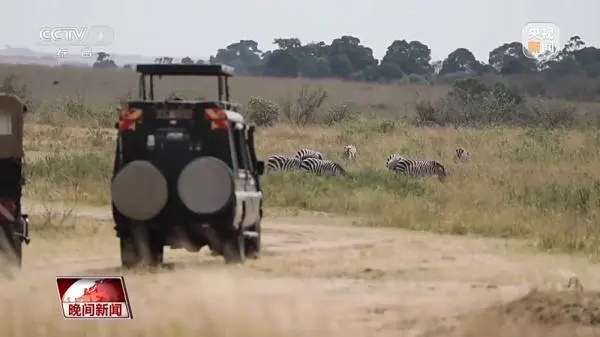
(538, 185)
(533, 184)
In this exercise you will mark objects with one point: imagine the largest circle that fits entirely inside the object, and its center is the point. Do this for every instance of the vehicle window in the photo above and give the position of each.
(216, 144)
(241, 149)
(5, 123)
(247, 145)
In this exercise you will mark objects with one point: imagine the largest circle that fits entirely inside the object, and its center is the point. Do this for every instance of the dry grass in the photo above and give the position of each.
(99, 88)
(539, 313)
(353, 290)
(195, 307)
(539, 185)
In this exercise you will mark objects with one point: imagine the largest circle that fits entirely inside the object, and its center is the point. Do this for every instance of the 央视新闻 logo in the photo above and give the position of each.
(541, 40)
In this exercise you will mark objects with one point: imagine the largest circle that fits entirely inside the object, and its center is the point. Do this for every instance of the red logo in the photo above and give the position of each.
(94, 298)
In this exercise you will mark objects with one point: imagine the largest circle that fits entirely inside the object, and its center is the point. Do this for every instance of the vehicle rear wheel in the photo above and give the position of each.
(140, 247)
(234, 248)
(252, 244)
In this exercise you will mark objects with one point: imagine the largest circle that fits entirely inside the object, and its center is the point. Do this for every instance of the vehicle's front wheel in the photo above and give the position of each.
(11, 250)
(140, 247)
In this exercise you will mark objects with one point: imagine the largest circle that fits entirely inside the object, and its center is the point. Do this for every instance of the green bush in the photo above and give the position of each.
(262, 111)
(472, 103)
(340, 113)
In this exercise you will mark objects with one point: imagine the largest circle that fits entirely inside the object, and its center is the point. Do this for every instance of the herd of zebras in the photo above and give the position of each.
(308, 160)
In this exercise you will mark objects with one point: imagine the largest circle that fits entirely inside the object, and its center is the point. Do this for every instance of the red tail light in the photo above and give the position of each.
(8, 209)
(218, 118)
(128, 117)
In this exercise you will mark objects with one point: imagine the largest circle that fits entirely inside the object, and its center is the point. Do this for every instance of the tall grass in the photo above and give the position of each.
(524, 183)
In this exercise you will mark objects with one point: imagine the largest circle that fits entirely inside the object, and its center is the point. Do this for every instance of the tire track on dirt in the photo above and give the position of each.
(279, 236)
(388, 281)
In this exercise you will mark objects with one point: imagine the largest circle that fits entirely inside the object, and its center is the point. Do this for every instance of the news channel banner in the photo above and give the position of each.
(94, 298)
(82, 41)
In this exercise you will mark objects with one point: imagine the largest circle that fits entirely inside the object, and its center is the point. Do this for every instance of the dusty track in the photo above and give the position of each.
(384, 281)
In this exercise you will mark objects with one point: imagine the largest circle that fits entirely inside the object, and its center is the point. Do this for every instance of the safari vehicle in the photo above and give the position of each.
(186, 173)
(14, 224)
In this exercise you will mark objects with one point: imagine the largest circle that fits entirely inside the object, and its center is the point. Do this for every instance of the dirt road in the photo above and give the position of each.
(369, 281)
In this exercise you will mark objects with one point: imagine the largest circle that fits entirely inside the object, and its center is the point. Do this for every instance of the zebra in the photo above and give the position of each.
(322, 167)
(350, 152)
(462, 154)
(279, 162)
(391, 158)
(308, 153)
(418, 168)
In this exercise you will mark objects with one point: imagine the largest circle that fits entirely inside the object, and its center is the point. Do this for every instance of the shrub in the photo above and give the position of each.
(472, 103)
(262, 111)
(340, 113)
(305, 107)
(10, 85)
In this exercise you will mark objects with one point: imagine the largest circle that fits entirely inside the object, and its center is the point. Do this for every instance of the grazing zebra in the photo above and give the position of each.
(418, 168)
(279, 162)
(462, 154)
(391, 158)
(350, 152)
(308, 153)
(322, 167)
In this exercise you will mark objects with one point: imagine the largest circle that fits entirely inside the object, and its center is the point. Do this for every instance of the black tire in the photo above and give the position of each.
(252, 245)
(140, 247)
(11, 250)
(234, 248)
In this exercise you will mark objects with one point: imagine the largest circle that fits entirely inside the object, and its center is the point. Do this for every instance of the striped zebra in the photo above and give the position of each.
(418, 168)
(462, 154)
(308, 153)
(322, 167)
(391, 158)
(279, 162)
(350, 152)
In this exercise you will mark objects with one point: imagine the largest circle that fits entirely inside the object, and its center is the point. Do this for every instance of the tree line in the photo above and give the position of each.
(408, 61)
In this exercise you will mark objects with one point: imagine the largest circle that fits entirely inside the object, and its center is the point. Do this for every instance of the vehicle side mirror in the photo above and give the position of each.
(260, 167)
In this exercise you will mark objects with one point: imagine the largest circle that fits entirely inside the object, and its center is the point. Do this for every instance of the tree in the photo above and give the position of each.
(187, 60)
(572, 46)
(244, 56)
(281, 63)
(588, 59)
(575, 58)
(509, 59)
(461, 60)
(409, 57)
(163, 60)
(103, 61)
(312, 60)
(348, 57)
(287, 43)
(308, 60)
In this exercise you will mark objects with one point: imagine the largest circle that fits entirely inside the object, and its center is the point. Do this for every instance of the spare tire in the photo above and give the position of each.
(139, 190)
(205, 185)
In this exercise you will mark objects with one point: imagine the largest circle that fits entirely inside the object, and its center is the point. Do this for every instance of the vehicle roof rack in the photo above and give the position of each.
(185, 69)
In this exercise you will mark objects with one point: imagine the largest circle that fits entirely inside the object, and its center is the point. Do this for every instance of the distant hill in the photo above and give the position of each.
(15, 55)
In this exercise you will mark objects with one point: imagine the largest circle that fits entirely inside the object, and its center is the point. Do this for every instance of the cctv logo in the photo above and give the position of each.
(76, 36)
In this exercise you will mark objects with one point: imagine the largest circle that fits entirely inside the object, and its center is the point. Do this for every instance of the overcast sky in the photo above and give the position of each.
(198, 28)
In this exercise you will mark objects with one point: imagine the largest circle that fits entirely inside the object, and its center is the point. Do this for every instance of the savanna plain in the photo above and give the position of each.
(486, 253)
